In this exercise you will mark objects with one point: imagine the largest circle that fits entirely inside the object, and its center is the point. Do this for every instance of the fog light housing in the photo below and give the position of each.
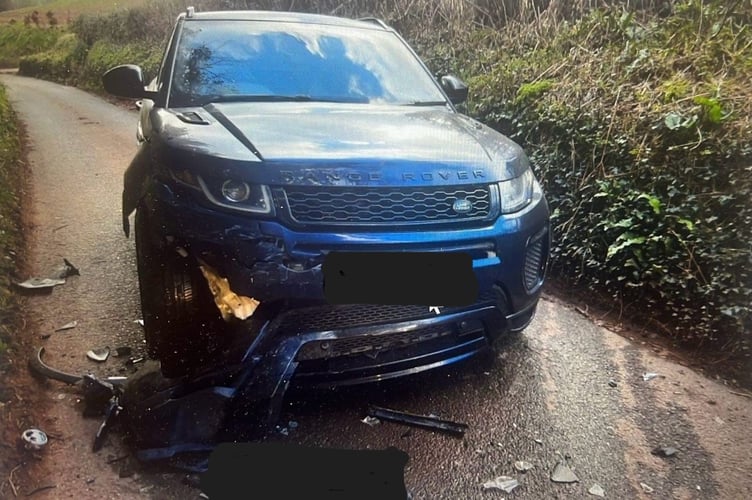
(235, 191)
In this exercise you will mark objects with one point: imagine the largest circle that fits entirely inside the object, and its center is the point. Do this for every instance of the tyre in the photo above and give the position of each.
(181, 322)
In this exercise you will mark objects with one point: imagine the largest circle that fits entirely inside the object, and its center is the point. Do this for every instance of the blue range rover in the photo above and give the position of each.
(269, 140)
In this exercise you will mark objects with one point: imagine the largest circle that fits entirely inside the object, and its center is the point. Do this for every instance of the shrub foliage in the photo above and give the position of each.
(640, 130)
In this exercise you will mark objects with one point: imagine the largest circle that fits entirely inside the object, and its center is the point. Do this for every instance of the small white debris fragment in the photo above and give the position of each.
(523, 466)
(371, 421)
(67, 326)
(504, 483)
(100, 355)
(539, 441)
(563, 474)
(34, 283)
(647, 376)
(719, 421)
(646, 488)
(597, 490)
(139, 321)
(34, 439)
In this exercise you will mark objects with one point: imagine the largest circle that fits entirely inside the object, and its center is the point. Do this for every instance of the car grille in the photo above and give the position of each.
(360, 205)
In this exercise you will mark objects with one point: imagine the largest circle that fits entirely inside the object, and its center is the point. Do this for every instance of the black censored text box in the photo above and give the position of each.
(419, 278)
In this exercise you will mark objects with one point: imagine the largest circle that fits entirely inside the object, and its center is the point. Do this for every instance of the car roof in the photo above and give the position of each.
(290, 17)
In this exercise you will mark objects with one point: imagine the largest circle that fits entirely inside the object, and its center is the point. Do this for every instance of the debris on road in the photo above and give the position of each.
(34, 439)
(664, 451)
(123, 351)
(539, 441)
(40, 283)
(719, 420)
(67, 326)
(646, 488)
(563, 474)
(139, 321)
(37, 365)
(99, 355)
(96, 395)
(504, 483)
(65, 270)
(134, 361)
(612, 383)
(648, 376)
(371, 421)
(57, 278)
(597, 490)
(112, 412)
(427, 422)
(523, 466)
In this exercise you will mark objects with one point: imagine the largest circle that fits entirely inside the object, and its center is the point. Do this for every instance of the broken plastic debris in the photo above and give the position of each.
(539, 441)
(504, 483)
(371, 421)
(431, 422)
(597, 490)
(37, 283)
(646, 488)
(57, 278)
(523, 466)
(34, 439)
(563, 474)
(664, 451)
(100, 354)
(67, 269)
(121, 352)
(612, 383)
(134, 361)
(228, 302)
(67, 326)
(139, 321)
(649, 376)
(719, 420)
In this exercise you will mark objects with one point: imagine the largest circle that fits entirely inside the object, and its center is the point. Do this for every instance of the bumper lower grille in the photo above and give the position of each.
(369, 344)
(361, 205)
(340, 317)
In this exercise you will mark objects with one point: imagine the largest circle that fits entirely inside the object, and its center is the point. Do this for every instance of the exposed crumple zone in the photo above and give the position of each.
(228, 302)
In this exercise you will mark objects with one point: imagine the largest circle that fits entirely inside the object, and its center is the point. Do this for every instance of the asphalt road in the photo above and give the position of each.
(542, 397)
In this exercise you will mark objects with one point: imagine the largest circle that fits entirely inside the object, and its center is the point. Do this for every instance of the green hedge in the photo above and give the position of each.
(18, 40)
(641, 131)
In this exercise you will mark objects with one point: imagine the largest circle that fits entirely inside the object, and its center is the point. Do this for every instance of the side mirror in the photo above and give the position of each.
(455, 88)
(125, 81)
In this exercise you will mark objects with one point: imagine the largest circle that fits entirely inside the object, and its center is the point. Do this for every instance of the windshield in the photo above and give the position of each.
(255, 60)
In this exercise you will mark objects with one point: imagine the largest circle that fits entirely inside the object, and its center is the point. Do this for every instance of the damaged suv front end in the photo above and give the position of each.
(269, 140)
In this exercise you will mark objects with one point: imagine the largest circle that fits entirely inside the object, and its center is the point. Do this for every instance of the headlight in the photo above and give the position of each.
(237, 195)
(517, 193)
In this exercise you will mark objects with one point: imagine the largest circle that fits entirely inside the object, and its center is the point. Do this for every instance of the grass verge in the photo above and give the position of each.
(10, 226)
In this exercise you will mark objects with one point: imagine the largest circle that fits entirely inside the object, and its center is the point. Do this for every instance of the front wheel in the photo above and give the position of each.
(181, 322)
